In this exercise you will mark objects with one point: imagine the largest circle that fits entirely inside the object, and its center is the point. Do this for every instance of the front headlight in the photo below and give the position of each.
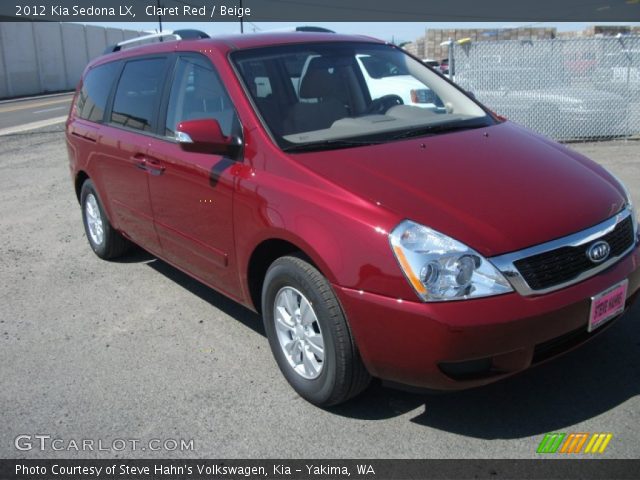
(634, 212)
(440, 268)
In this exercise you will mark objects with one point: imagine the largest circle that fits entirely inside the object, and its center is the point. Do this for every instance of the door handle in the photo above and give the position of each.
(151, 165)
(139, 159)
(154, 166)
(140, 162)
(141, 165)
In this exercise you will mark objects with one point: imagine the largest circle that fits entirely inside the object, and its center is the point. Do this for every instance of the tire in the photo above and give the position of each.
(105, 241)
(293, 288)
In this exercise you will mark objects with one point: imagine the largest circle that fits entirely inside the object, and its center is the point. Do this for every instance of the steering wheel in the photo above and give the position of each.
(380, 105)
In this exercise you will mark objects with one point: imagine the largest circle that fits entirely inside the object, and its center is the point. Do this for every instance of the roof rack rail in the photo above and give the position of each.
(187, 34)
(311, 28)
(302, 28)
(190, 34)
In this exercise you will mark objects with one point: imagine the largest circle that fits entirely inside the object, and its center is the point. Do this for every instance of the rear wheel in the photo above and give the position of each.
(309, 335)
(105, 241)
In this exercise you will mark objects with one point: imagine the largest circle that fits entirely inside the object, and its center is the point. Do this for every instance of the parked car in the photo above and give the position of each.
(548, 104)
(431, 63)
(620, 70)
(444, 249)
(444, 66)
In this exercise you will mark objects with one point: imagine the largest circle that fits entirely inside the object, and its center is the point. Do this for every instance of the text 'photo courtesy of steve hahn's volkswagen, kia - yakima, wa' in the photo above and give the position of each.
(415, 237)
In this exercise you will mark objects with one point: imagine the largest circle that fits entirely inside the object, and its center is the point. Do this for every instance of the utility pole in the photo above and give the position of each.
(241, 17)
(159, 19)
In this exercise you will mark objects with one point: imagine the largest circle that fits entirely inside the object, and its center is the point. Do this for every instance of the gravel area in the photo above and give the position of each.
(134, 349)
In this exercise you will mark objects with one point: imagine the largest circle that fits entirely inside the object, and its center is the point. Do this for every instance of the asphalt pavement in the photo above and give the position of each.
(36, 110)
(134, 349)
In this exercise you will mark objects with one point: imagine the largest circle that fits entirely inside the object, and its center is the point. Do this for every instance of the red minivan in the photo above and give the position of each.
(432, 245)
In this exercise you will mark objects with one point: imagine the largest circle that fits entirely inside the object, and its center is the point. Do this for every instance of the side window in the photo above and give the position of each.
(92, 99)
(198, 93)
(138, 93)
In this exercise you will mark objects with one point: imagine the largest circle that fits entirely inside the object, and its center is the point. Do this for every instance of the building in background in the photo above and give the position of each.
(429, 46)
(602, 31)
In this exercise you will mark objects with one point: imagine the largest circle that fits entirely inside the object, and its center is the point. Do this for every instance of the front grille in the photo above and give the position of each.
(563, 264)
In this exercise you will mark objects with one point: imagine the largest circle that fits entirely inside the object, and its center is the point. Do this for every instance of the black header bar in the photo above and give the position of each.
(321, 10)
(584, 469)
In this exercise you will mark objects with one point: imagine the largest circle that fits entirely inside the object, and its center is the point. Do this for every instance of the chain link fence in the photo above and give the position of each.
(567, 89)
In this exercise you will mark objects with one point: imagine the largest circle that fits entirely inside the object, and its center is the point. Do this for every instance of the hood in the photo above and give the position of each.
(498, 189)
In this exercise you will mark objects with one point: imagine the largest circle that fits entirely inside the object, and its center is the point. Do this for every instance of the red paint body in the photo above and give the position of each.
(517, 190)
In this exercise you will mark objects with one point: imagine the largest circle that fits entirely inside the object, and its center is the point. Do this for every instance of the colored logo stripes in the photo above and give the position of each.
(574, 443)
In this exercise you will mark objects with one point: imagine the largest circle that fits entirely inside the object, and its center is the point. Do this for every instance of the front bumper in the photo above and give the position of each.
(475, 341)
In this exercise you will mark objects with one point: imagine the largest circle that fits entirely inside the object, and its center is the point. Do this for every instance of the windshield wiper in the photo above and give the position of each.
(383, 138)
(328, 145)
(438, 128)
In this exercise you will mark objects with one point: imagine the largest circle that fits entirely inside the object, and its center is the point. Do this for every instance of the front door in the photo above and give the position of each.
(192, 193)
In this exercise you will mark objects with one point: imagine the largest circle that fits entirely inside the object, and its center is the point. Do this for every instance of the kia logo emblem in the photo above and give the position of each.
(599, 251)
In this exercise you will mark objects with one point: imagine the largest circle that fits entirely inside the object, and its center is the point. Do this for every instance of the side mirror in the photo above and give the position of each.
(205, 136)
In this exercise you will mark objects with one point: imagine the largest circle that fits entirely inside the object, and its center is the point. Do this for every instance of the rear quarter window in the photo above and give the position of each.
(92, 99)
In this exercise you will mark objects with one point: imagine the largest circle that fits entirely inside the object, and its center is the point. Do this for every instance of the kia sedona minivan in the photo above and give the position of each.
(435, 246)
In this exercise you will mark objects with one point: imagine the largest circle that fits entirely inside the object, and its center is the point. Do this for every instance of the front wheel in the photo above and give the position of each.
(309, 335)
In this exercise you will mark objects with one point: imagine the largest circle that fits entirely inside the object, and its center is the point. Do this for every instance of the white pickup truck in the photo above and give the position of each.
(385, 77)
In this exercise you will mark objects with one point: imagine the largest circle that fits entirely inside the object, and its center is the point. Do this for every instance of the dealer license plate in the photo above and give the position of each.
(607, 305)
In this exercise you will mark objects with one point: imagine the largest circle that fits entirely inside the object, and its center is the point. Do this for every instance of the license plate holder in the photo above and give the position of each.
(607, 305)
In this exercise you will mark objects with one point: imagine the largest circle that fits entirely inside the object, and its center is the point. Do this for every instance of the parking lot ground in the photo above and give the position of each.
(134, 349)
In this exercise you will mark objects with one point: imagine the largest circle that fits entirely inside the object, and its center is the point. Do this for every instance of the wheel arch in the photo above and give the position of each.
(81, 177)
(265, 253)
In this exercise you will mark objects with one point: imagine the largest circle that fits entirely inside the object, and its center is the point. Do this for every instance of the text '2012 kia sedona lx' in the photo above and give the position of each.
(416, 238)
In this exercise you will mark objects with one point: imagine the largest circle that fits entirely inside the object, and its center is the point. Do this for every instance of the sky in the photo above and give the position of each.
(389, 31)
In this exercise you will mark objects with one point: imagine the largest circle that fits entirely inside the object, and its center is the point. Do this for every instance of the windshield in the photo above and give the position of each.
(335, 95)
(377, 67)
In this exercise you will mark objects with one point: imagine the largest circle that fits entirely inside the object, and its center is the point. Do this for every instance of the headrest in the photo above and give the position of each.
(320, 80)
